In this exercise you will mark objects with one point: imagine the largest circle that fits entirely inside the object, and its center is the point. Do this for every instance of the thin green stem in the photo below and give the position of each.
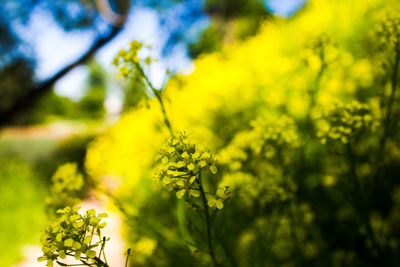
(363, 200)
(317, 82)
(128, 253)
(388, 118)
(99, 262)
(157, 94)
(91, 236)
(64, 264)
(208, 225)
(102, 250)
(86, 263)
(166, 120)
(394, 83)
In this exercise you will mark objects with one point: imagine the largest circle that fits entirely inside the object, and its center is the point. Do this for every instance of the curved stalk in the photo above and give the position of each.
(157, 94)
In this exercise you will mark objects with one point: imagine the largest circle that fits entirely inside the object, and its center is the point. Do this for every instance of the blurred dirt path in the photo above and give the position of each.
(114, 248)
(55, 130)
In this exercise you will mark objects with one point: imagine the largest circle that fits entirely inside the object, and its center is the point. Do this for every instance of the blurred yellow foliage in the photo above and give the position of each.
(234, 101)
(266, 71)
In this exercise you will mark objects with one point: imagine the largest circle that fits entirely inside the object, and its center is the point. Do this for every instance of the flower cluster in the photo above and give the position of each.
(67, 184)
(128, 61)
(182, 163)
(267, 186)
(217, 200)
(67, 178)
(265, 139)
(73, 235)
(345, 121)
(269, 144)
(388, 32)
(277, 132)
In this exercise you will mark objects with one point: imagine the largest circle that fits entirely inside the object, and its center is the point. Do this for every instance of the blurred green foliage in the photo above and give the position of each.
(210, 40)
(21, 208)
(230, 21)
(235, 8)
(92, 104)
(72, 149)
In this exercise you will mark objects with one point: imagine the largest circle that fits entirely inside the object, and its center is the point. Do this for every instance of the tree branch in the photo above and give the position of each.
(32, 95)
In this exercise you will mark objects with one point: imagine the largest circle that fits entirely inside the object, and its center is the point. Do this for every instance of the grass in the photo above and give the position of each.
(21, 208)
(30, 150)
